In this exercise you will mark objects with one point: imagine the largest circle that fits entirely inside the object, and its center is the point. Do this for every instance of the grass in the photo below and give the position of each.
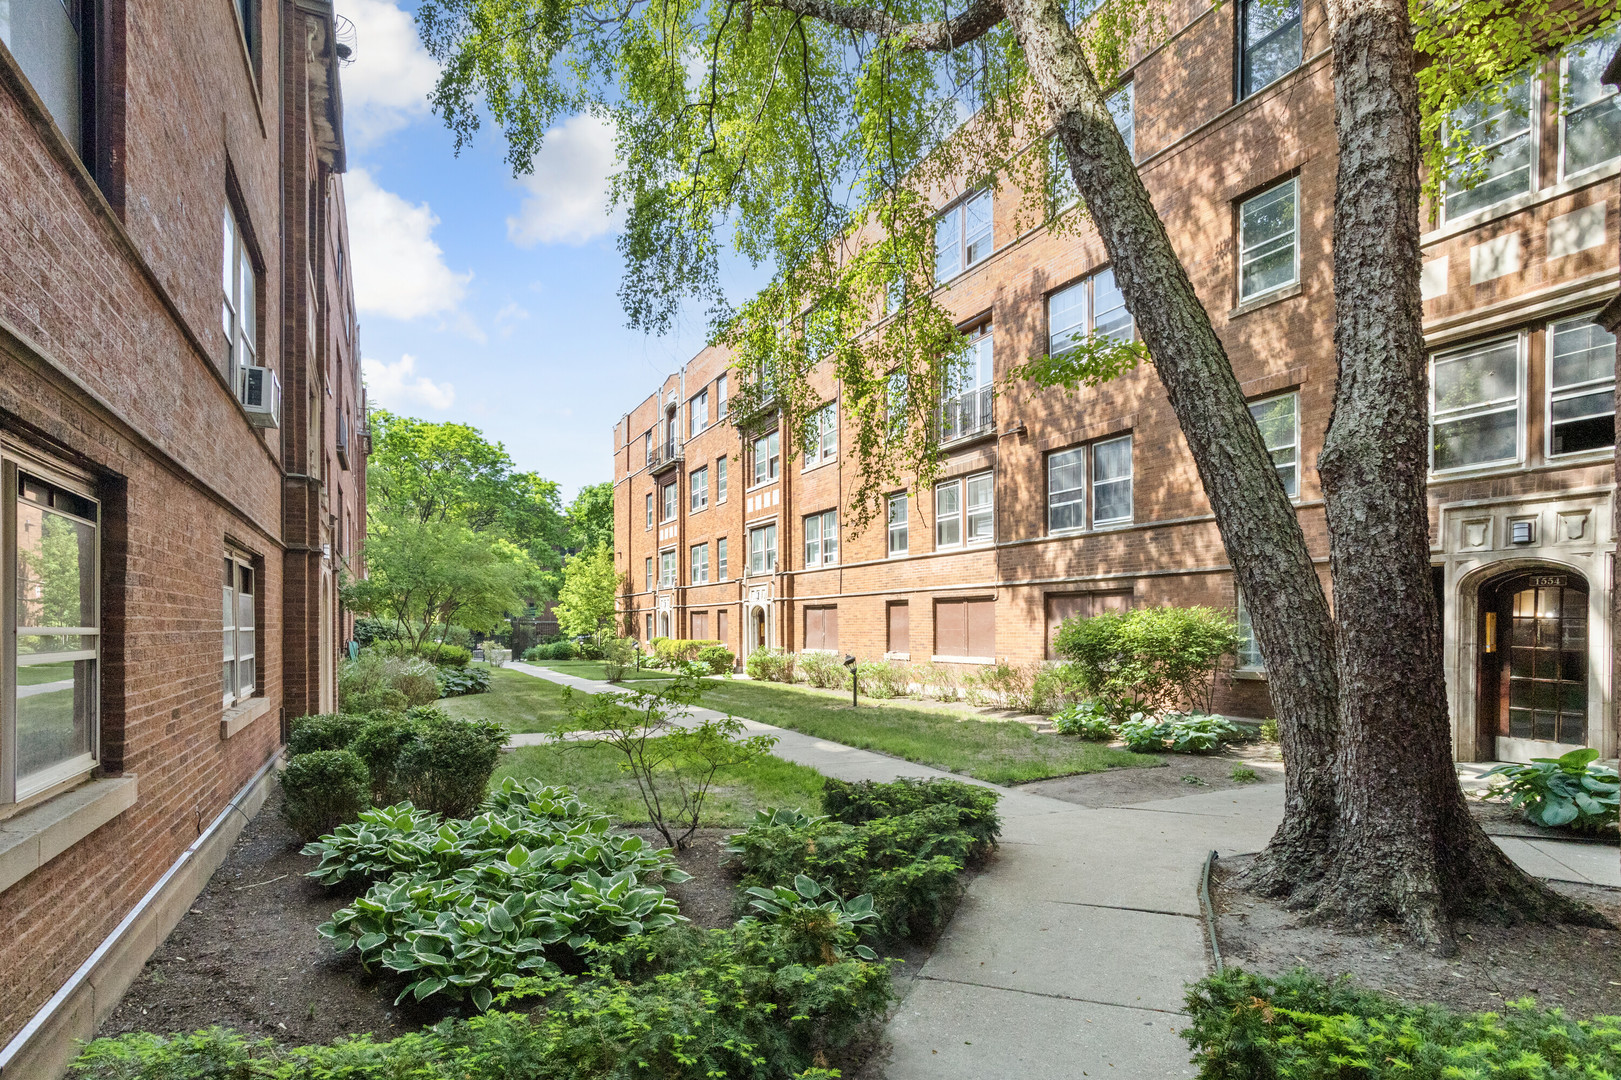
(521, 702)
(595, 669)
(997, 751)
(595, 772)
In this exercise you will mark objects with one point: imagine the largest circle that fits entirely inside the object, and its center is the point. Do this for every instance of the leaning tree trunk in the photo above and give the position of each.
(1405, 846)
(1257, 521)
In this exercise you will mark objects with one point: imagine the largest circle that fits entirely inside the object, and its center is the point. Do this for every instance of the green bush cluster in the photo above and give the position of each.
(551, 650)
(1035, 687)
(1148, 659)
(825, 670)
(473, 679)
(1569, 791)
(324, 788)
(374, 682)
(436, 653)
(718, 658)
(671, 652)
(1303, 1027)
(1088, 719)
(770, 665)
(904, 843)
(1146, 732)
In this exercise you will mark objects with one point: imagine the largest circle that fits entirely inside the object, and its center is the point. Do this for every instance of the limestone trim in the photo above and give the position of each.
(240, 716)
(39, 834)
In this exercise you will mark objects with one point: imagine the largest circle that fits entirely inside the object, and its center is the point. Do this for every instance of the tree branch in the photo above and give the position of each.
(941, 35)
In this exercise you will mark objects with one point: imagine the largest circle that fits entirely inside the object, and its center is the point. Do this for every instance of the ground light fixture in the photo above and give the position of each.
(850, 662)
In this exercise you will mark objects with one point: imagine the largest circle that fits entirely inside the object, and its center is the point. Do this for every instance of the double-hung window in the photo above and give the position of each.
(1475, 405)
(822, 435)
(822, 539)
(1496, 125)
(895, 524)
(1249, 650)
(698, 488)
(1093, 305)
(698, 413)
(47, 38)
(1269, 241)
(964, 511)
(238, 314)
(1581, 386)
(667, 569)
(700, 564)
(671, 502)
(720, 480)
(962, 236)
(1066, 490)
(240, 640)
(967, 405)
(720, 397)
(649, 509)
(1592, 110)
(1111, 481)
(1279, 421)
(763, 549)
(1062, 192)
(50, 711)
(767, 459)
(720, 559)
(1269, 38)
(647, 447)
(649, 574)
(1122, 104)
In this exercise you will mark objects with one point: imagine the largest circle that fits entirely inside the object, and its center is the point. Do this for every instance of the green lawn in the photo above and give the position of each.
(594, 669)
(1001, 752)
(594, 771)
(521, 702)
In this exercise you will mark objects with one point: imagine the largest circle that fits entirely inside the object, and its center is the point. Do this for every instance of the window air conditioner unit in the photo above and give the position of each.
(260, 392)
(343, 440)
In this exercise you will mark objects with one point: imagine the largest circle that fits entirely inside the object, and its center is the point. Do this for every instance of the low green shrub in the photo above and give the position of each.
(454, 682)
(378, 743)
(323, 731)
(1247, 1027)
(822, 925)
(1569, 791)
(770, 665)
(1088, 719)
(374, 681)
(883, 679)
(1200, 733)
(856, 802)
(718, 658)
(619, 655)
(553, 650)
(1151, 658)
(439, 654)
(447, 767)
(1144, 733)
(322, 789)
(672, 651)
(825, 670)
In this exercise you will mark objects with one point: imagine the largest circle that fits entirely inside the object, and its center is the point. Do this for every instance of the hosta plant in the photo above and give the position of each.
(1088, 719)
(1200, 733)
(818, 927)
(1145, 733)
(1567, 791)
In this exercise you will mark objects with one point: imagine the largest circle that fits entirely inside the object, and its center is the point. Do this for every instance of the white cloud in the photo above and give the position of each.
(398, 384)
(399, 271)
(568, 190)
(388, 84)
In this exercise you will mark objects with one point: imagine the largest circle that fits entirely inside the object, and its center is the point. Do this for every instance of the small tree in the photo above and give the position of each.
(1150, 658)
(585, 604)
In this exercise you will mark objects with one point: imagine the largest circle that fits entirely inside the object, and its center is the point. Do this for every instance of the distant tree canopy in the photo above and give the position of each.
(590, 517)
(585, 604)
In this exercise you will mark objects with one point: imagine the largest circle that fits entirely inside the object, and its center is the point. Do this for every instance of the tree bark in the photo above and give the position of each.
(1256, 519)
(1405, 846)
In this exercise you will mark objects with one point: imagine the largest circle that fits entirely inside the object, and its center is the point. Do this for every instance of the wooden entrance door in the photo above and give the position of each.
(1534, 657)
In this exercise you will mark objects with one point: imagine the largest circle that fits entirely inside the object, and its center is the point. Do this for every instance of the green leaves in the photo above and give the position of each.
(1564, 791)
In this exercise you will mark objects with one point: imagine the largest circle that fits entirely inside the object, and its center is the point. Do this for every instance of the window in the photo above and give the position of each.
(1120, 105)
(247, 20)
(1111, 481)
(650, 574)
(700, 564)
(1269, 33)
(896, 524)
(822, 628)
(1581, 386)
(1278, 419)
(238, 619)
(649, 509)
(649, 626)
(49, 717)
(979, 513)
(822, 435)
(962, 236)
(1592, 120)
(1475, 405)
(722, 634)
(968, 403)
(1249, 650)
(720, 397)
(965, 628)
(895, 392)
(822, 538)
(1062, 193)
(1061, 607)
(1498, 124)
(647, 447)
(1268, 236)
(767, 461)
(700, 626)
(720, 480)
(1093, 305)
(667, 569)
(47, 39)
(964, 511)
(698, 413)
(698, 489)
(670, 502)
(763, 550)
(948, 514)
(899, 639)
(1066, 490)
(720, 559)
(241, 296)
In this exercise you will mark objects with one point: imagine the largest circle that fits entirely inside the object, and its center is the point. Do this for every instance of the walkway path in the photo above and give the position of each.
(1068, 957)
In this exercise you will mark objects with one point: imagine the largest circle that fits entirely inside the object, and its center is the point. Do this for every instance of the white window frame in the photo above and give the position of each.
(970, 512)
(669, 568)
(1086, 289)
(954, 221)
(822, 438)
(1248, 658)
(239, 314)
(720, 559)
(1551, 395)
(649, 574)
(698, 413)
(1614, 94)
(1534, 170)
(700, 566)
(1244, 258)
(647, 447)
(1519, 405)
(232, 612)
(823, 549)
(1128, 133)
(670, 497)
(720, 398)
(698, 490)
(764, 560)
(650, 501)
(720, 480)
(892, 527)
(1093, 483)
(772, 461)
(1293, 445)
(1079, 492)
(948, 519)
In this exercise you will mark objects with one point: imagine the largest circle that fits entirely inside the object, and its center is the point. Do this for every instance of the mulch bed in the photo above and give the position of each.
(1573, 967)
(1180, 775)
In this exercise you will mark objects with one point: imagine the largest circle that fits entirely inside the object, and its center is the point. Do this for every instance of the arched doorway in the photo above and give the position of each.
(758, 631)
(1534, 668)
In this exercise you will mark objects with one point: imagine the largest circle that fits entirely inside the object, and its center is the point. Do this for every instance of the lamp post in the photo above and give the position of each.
(850, 662)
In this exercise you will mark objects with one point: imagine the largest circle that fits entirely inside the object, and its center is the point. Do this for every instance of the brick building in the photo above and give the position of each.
(182, 465)
(1049, 506)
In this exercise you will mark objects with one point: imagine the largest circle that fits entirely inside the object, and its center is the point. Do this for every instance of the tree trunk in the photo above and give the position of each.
(1258, 524)
(1405, 846)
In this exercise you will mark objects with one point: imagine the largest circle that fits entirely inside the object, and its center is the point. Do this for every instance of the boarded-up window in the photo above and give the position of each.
(721, 629)
(821, 628)
(700, 625)
(965, 627)
(900, 628)
(1061, 606)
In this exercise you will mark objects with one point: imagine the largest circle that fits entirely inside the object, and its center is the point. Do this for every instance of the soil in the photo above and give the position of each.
(1572, 967)
(1181, 774)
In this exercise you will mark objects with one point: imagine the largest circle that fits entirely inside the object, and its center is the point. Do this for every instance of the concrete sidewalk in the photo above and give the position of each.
(1068, 956)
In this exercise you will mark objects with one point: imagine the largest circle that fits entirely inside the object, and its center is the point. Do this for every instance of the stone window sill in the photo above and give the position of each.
(987, 660)
(1265, 300)
(36, 836)
(240, 716)
(1255, 675)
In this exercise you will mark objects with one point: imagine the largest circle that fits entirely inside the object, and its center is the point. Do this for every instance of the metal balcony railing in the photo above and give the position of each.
(665, 455)
(968, 414)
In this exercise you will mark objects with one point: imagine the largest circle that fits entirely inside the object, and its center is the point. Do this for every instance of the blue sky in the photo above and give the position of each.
(482, 298)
